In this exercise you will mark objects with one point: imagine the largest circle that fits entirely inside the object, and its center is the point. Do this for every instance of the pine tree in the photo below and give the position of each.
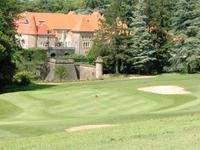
(158, 14)
(186, 51)
(128, 7)
(143, 49)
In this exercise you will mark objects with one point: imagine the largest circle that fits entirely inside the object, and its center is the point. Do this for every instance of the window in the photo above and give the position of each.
(86, 44)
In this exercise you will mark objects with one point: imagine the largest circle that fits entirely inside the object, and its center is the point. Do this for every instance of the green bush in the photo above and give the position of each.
(75, 57)
(23, 78)
(7, 67)
(101, 78)
(26, 59)
(61, 72)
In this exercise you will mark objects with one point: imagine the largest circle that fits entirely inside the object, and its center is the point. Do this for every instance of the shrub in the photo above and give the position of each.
(23, 78)
(7, 67)
(101, 78)
(61, 72)
(75, 57)
(26, 59)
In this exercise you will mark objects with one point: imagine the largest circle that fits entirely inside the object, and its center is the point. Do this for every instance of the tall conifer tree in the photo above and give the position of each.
(158, 18)
(143, 49)
(186, 23)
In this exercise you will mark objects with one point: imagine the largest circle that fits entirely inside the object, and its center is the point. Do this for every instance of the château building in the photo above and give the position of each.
(66, 30)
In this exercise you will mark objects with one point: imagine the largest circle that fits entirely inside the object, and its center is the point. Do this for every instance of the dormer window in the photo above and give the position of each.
(26, 21)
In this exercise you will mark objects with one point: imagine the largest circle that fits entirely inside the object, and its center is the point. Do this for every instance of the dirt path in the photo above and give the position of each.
(142, 77)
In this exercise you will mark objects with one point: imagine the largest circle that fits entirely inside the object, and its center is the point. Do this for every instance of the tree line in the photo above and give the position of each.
(64, 6)
(161, 36)
(137, 36)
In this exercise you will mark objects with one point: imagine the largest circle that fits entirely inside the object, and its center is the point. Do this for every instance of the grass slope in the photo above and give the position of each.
(35, 118)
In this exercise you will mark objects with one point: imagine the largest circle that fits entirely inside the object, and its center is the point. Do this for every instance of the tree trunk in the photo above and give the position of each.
(189, 69)
(117, 66)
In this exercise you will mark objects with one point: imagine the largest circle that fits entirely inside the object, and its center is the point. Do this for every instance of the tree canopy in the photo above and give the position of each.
(185, 53)
(9, 11)
(143, 49)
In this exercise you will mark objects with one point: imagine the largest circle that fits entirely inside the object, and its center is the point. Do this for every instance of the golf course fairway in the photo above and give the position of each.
(36, 117)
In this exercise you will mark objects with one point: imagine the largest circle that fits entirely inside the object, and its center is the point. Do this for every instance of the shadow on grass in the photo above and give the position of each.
(31, 87)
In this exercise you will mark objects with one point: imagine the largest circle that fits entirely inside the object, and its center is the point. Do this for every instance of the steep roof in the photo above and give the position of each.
(26, 25)
(70, 21)
(43, 28)
(83, 26)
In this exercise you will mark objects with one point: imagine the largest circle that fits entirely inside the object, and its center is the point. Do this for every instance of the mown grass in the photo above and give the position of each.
(35, 118)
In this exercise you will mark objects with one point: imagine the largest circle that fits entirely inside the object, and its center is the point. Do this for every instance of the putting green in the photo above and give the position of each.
(35, 117)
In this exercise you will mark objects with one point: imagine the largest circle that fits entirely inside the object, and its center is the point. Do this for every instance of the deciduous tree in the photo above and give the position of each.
(112, 40)
(8, 14)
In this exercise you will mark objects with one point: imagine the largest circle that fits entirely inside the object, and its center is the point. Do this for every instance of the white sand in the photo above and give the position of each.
(170, 89)
(87, 127)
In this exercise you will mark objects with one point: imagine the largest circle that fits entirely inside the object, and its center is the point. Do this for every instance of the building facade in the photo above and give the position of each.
(65, 30)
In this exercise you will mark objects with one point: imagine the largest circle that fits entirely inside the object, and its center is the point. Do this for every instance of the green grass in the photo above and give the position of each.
(35, 117)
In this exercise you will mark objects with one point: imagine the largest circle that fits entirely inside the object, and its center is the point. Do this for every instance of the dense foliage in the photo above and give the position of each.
(185, 54)
(63, 6)
(23, 78)
(27, 59)
(165, 37)
(159, 14)
(112, 42)
(7, 67)
(143, 52)
(75, 57)
(9, 10)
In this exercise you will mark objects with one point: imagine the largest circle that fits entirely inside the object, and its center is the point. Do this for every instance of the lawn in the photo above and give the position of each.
(35, 117)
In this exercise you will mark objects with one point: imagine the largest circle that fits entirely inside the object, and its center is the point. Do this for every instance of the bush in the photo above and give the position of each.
(26, 59)
(7, 67)
(101, 78)
(23, 78)
(61, 72)
(75, 57)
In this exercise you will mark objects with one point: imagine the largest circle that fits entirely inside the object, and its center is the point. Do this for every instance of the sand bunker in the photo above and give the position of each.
(87, 127)
(171, 89)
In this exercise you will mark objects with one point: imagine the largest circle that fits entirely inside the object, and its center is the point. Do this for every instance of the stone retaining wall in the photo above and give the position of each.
(75, 71)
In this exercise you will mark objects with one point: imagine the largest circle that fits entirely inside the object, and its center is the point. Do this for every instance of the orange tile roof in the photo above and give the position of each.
(28, 26)
(84, 26)
(70, 21)
(43, 28)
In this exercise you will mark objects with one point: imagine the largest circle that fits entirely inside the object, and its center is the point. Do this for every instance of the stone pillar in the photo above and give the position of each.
(99, 67)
